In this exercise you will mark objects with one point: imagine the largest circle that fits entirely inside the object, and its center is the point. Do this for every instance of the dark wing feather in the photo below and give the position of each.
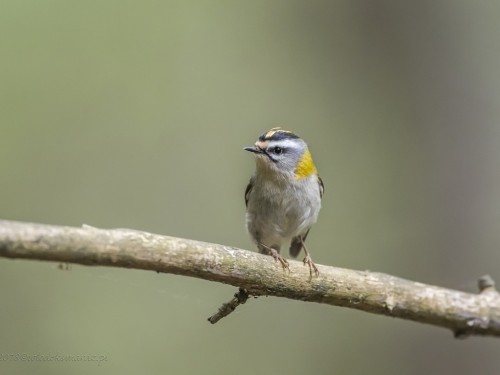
(321, 187)
(248, 190)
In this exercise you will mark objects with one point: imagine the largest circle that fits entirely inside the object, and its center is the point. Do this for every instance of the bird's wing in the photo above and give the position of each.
(248, 190)
(321, 187)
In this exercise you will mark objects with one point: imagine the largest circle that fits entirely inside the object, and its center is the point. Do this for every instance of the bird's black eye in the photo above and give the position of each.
(278, 150)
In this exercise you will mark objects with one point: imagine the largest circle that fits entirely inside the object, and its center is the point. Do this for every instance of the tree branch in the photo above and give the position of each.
(464, 313)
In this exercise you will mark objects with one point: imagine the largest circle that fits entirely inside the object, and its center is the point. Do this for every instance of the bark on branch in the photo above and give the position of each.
(464, 313)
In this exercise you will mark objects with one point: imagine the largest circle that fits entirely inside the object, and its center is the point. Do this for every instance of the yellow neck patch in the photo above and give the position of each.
(305, 166)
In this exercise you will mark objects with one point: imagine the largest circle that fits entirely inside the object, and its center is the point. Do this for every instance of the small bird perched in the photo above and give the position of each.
(283, 197)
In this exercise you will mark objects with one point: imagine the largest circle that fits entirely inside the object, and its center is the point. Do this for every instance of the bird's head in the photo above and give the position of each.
(282, 153)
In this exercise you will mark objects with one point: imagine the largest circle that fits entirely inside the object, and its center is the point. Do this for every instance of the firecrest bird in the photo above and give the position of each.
(283, 197)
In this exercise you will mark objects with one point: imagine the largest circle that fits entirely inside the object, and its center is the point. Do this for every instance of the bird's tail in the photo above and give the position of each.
(295, 247)
(296, 244)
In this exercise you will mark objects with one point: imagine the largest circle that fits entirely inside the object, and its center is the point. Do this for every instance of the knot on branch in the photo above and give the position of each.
(486, 284)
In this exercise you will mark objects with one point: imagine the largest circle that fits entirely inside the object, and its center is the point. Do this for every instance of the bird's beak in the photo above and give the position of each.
(254, 149)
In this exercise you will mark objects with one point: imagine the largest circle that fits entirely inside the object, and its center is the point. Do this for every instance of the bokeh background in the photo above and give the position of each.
(128, 114)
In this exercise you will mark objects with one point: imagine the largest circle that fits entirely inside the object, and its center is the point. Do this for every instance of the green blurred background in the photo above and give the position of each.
(128, 114)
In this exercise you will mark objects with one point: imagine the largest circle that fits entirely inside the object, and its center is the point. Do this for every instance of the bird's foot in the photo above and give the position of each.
(312, 267)
(278, 258)
(275, 254)
(308, 260)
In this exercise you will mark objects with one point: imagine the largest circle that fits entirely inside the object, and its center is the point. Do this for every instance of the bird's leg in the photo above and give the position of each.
(307, 260)
(277, 257)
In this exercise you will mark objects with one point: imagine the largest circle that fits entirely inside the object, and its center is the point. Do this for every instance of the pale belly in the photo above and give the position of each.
(281, 215)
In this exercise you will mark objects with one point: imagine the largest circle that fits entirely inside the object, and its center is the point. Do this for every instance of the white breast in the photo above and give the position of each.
(277, 212)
